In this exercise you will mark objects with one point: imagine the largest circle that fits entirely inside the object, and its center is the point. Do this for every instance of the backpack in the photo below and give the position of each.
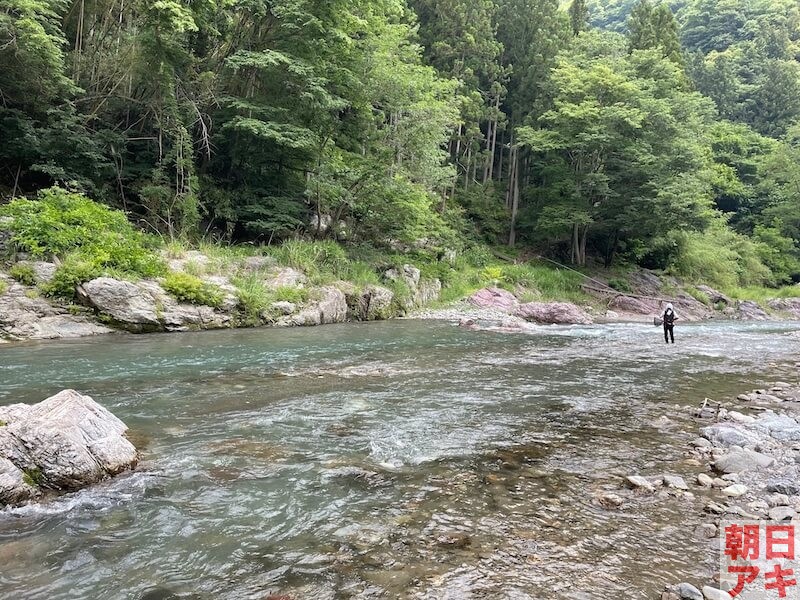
(669, 317)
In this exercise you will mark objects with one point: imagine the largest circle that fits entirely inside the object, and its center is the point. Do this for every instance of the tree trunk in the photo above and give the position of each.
(514, 184)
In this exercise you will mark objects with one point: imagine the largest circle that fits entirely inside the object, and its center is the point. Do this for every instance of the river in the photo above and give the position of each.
(402, 459)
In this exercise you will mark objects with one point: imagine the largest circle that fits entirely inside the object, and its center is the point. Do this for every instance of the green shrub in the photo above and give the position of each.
(23, 273)
(60, 223)
(621, 285)
(699, 295)
(73, 271)
(3, 287)
(188, 288)
(287, 293)
(3, 423)
(33, 476)
(721, 258)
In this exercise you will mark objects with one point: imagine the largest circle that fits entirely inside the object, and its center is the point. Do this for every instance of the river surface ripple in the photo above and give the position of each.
(404, 459)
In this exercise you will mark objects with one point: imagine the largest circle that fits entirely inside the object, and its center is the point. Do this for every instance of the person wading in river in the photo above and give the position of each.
(668, 318)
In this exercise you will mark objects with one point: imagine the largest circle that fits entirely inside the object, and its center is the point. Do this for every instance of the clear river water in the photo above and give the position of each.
(403, 459)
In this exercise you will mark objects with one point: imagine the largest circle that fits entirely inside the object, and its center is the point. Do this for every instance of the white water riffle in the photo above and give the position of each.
(334, 462)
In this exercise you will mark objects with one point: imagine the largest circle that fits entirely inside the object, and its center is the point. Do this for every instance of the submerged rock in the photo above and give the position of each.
(63, 443)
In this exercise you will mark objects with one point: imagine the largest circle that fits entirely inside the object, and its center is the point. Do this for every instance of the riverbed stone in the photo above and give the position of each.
(553, 313)
(728, 434)
(492, 297)
(781, 513)
(675, 481)
(638, 482)
(774, 500)
(748, 310)
(688, 592)
(712, 593)
(704, 480)
(784, 486)
(63, 443)
(735, 490)
(740, 460)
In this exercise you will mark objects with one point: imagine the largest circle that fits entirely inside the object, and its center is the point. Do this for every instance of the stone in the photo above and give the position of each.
(146, 306)
(728, 434)
(714, 507)
(712, 593)
(675, 481)
(714, 296)
(429, 290)
(704, 480)
(285, 277)
(781, 513)
(609, 500)
(789, 306)
(737, 461)
(554, 313)
(376, 303)
(735, 490)
(42, 271)
(748, 310)
(454, 539)
(638, 482)
(701, 443)
(124, 301)
(628, 304)
(706, 531)
(739, 417)
(252, 264)
(784, 486)
(780, 427)
(28, 317)
(496, 298)
(63, 443)
(284, 307)
(330, 307)
(774, 500)
(688, 592)
(407, 273)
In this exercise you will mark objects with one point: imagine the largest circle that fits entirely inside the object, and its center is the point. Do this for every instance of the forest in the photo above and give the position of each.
(598, 132)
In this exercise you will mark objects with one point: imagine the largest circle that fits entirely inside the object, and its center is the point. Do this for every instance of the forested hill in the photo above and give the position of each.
(665, 135)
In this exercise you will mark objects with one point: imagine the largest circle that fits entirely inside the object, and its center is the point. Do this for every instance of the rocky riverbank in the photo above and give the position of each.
(205, 292)
(748, 451)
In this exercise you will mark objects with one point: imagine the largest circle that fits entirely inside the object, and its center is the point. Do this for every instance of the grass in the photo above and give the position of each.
(33, 476)
(23, 273)
(3, 287)
(762, 294)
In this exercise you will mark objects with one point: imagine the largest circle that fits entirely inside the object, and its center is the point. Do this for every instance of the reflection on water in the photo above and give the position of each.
(392, 460)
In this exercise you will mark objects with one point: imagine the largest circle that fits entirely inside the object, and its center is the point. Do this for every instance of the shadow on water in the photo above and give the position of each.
(391, 460)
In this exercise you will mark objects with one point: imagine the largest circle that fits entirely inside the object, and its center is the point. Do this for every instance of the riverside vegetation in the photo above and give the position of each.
(614, 133)
(71, 261)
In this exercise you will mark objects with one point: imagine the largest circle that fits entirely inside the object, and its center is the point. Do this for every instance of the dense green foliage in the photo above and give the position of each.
(192, 289)
(661, 134)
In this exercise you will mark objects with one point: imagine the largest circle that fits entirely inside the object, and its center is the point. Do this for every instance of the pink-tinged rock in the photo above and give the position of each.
(641, 306)
(496, 298)
(558, 313)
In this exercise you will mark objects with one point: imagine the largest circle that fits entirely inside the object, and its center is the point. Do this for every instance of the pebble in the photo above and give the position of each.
(759, 506)
(712, 593)
(778, 500)
(739, 417)
(688, 592)
(720, 483)
(640, 483)
(735, 490)
(675, 481)
(609, 500)
(781, 513)
(732, 477)
(713, 507)
(701, 443)
(704, 480)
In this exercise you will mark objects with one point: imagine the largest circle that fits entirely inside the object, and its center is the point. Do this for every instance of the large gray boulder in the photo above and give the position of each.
(330, 307)
(428, 291)
(63, 443)
(24, 316)
(496, 298)
(557, 313)
(408, 273)
(146, 306)
(738, 460)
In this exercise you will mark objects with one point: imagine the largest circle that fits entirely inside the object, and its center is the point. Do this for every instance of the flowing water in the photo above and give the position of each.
(405, 459)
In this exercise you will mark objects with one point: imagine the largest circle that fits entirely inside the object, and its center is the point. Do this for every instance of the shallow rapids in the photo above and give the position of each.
(403, 459)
